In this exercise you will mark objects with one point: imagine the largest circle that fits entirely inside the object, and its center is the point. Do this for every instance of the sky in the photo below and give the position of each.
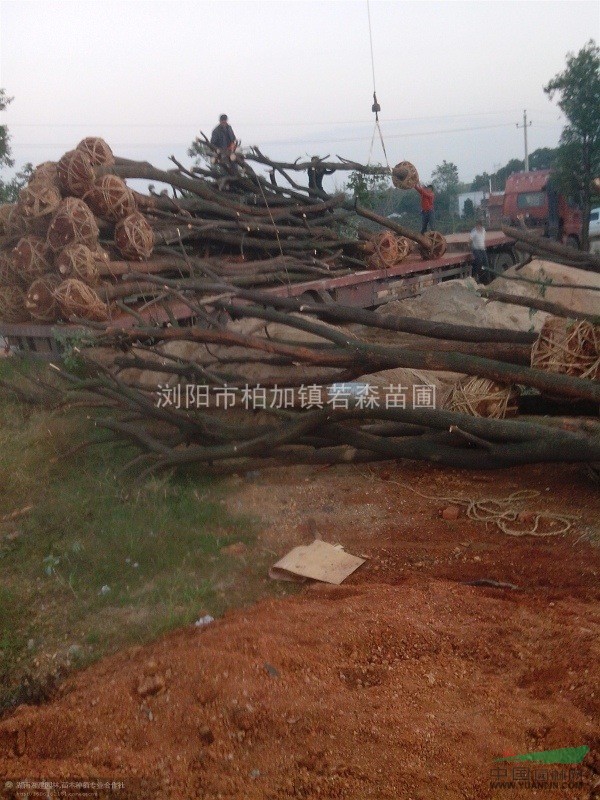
(295, 78)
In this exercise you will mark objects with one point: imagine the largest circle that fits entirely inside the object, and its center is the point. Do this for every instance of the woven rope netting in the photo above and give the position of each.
(481, 397)
(97, 150)
(5, 212)
(568, 347)
(41, 302)
(75, 173)
(78, 261)
(77, 300)
(405, 175)
(38, 199)
(7, 268)
(111, 198)
(438, 245)
(73, 222)
(101, 256)
(134, 237)
(31, 257)
(16, 224)
(390, 250)
(12, 304)
(46, 173)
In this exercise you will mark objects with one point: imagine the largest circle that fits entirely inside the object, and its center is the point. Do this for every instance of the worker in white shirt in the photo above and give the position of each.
(480, 259)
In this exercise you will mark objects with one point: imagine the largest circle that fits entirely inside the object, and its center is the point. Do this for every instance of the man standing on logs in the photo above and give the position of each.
(427, 197)
(223, 137)
(316, 173)
(480, 259)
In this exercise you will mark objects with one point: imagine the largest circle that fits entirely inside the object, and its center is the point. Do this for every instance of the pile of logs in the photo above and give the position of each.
(545, 248)
(69, 245)
(253, 376)
(197, 404)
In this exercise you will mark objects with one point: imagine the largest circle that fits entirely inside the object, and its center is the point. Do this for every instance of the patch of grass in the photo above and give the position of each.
(96, 560)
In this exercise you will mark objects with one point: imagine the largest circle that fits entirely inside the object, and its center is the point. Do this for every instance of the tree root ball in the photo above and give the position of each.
(134, 237)
(111, 198)
(75, 173)
(16, 224)
(77, 300)
(32, 257)
(38, 199)
(482, 397)
(97, 150)
(5, 212)
(78, 261)
(12, 304)
(46, 173)
(8, 273)
(72, 223)
(390, 250)
(405, 175)
(438, 246)
(568, 347)
(40, 301)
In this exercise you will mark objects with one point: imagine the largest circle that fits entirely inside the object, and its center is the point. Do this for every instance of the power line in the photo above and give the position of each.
(270, 124)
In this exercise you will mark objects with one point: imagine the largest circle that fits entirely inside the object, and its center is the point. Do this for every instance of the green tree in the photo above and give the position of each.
(468, 209)
(481, 183)
(367, 190)
(444, 179)
(5, 159)
(5, 155)
(578, 157)
(9, 190)
(543, 158)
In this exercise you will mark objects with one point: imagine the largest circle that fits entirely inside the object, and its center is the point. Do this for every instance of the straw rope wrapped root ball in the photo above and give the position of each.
(111, 198)
(41, 302)
(45, 173)
(8, 273)
(75, 173)
(97, 151)
(5, 212)
(38, 200)
(481, 397)
(389, 250)
(12, 304)
(405, 175)
(32, 257)
(16, 224)
(73, 222)
(78, 261)
(134, 237)
(569, 347)
(437, 246)
(77, 300)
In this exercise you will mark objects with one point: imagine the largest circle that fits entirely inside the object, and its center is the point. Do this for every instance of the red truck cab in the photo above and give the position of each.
(531, 197)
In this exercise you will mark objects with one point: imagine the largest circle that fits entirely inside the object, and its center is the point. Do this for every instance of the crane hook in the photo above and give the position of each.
(375, 108)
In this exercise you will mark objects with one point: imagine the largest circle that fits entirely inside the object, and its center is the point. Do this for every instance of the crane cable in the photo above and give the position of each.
(376, 108)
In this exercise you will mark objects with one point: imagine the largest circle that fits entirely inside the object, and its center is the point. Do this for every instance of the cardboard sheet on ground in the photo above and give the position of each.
(319, 561)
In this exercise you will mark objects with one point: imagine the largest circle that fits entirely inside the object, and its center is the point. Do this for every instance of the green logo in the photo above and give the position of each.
(566, 755)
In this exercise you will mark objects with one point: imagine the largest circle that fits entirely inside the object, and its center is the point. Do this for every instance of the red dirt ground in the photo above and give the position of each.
(402, 683)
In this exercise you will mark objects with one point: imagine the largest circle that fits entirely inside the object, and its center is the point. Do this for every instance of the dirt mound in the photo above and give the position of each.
(549, 275)
(457, 302)
(360, 691)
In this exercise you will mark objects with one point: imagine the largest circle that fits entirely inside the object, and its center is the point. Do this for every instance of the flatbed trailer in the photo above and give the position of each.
(364, 289)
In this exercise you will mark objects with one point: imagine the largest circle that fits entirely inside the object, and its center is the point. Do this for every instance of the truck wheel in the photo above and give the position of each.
(572, 241)
(501, 261)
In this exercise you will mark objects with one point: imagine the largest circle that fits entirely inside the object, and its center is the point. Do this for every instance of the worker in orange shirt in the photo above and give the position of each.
(427, 197)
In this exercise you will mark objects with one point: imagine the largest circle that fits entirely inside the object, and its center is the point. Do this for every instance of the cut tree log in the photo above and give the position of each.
(556, 309)
(541, 244)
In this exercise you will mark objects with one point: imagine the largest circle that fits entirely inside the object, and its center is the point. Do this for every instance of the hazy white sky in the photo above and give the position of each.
(452, 77)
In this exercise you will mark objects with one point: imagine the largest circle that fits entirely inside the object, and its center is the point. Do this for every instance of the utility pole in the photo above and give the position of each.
(525, 125)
